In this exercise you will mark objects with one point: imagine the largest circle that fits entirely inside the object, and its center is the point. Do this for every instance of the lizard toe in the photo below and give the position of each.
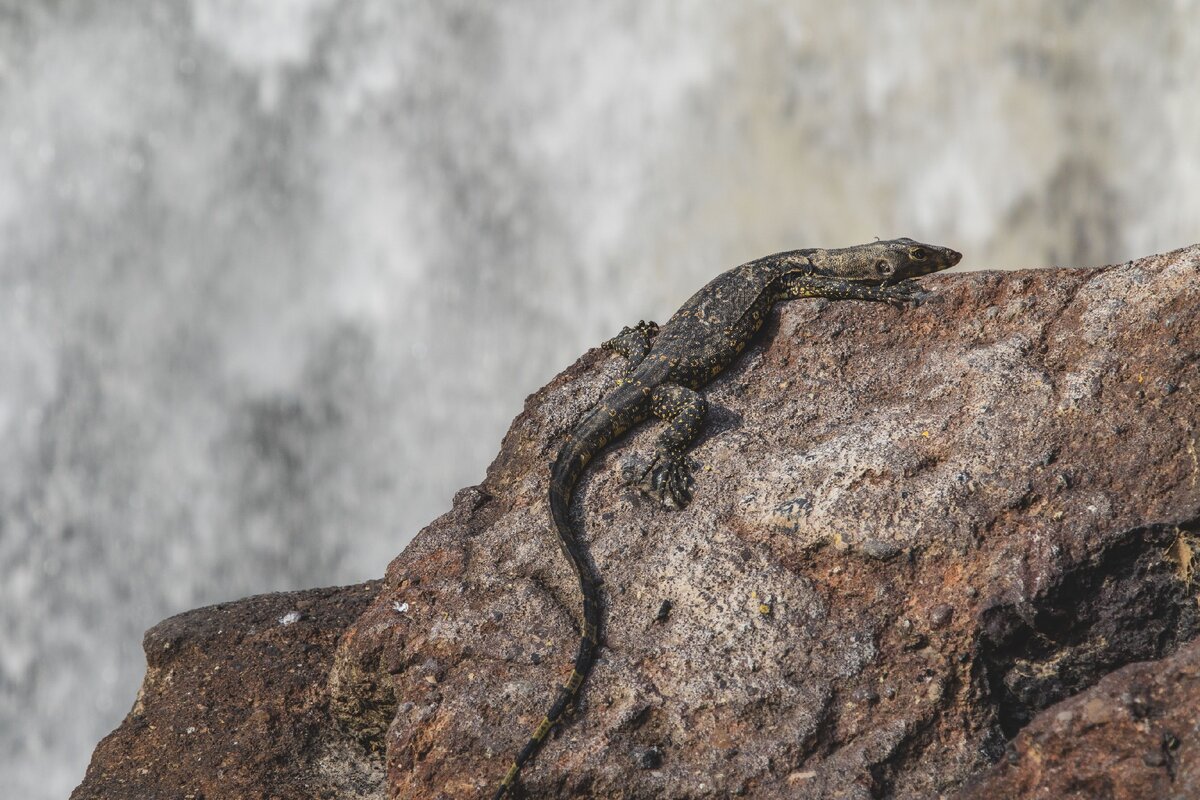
(905, 293)
(669, 480)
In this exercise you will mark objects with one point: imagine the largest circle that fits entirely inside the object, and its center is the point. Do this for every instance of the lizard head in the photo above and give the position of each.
(884, 262)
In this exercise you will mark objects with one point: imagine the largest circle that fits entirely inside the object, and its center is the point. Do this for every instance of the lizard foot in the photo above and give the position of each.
(669, 479)
(904, 293)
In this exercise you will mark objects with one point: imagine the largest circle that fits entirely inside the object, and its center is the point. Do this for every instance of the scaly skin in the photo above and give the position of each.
(666, 368)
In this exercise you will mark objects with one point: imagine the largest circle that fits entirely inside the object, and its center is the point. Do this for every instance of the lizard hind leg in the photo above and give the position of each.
(668, 476)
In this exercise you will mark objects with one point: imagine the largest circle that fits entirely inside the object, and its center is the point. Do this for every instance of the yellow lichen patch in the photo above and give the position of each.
(764, 605)
(1183, 552)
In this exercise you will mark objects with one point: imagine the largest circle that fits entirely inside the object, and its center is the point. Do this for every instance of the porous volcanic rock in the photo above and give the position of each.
(913, 531)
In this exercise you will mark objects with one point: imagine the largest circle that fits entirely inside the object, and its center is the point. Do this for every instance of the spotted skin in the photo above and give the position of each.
(666, 369)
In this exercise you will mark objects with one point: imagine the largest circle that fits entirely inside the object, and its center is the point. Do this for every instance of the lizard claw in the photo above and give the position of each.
(904, 293)
(669, 479)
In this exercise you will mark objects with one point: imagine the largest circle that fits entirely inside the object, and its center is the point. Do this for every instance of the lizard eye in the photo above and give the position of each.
(918, 254)
(883, 267)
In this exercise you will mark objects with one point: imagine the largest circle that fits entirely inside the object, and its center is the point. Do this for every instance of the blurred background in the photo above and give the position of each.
(275, 276)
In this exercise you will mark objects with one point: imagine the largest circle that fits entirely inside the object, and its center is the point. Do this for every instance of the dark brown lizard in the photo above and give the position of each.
(666, 368)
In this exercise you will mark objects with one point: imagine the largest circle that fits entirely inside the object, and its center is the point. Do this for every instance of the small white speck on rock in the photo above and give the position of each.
(290, 618)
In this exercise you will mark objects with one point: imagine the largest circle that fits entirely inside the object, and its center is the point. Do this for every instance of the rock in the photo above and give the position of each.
(956, 515)
(940, 615)
(1131, 736)
(235, 705)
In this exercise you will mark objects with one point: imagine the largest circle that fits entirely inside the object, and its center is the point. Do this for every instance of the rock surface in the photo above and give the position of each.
(913, 533)
(1130, 737)
(235, 705)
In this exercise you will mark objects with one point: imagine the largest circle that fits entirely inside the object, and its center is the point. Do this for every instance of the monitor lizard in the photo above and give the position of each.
(666, 368)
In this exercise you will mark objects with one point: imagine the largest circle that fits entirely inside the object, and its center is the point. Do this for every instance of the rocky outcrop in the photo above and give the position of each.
(235, 705)
(918, 537)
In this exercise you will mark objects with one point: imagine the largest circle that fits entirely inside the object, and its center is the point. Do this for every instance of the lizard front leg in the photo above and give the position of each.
(633, 343)
(902, 293)
(668, 476)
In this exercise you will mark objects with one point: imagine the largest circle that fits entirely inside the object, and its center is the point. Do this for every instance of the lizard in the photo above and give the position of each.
(666, 368)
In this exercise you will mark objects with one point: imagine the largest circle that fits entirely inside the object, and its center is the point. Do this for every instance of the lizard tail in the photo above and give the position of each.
(589, 437)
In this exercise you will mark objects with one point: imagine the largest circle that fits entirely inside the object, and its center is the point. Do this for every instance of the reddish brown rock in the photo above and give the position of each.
(957, 515)
(912, 532)
(234, 705)
(1132, 736)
